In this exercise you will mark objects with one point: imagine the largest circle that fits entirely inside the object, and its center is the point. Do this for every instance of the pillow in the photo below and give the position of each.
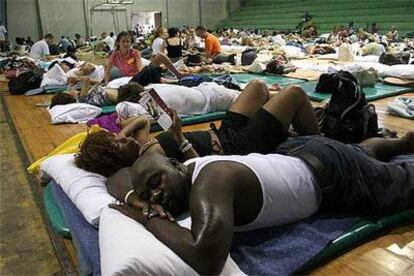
(73, 113)
(116, 83)
(55, 76)
(86, 190)
(127, 248)
(402, 71)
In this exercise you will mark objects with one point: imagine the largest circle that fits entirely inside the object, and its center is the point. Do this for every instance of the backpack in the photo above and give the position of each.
(26, 81)
(348, 117)
(248, 56)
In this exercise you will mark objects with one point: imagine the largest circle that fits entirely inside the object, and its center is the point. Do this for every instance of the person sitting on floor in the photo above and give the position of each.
(40, 50)
(227, 194)
(158, 45)
(252, 124)
(392, 35)
(212, 44)
(125, 61)
(174, 45)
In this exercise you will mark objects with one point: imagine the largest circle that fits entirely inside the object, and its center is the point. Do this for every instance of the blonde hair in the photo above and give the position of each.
(159, 31)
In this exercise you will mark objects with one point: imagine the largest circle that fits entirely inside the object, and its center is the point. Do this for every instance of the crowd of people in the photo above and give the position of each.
(246, 174)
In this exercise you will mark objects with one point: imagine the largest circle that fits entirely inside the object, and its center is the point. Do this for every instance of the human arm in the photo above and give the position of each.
(206, 246)
(108, 71)
(178, 136)
(138, 61)
(138, 128)
(85, 87)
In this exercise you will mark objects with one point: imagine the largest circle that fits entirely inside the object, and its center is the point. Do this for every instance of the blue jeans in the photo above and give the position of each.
(355, 182)
(115, 73)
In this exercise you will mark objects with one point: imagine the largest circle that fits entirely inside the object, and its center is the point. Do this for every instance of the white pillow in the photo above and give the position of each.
(73, 113)
(55, 76)
(127, 248)
(86, 190)
(116, 83)
(403, 71)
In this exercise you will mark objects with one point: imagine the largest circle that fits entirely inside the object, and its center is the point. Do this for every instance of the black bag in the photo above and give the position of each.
(392, 59)
(248, 56)
(26, 81)
(220, 58)
(348, 117)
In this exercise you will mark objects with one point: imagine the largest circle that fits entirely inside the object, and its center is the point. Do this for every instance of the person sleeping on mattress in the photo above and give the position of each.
(225, 194)
(201, 99)
(95, 94)
(254, 123)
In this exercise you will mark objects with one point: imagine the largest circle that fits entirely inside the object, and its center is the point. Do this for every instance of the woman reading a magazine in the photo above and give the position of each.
(252, 124)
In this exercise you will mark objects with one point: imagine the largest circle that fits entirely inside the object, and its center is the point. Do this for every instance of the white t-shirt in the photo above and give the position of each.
(288, 186)
(157, 45)
(110, 42)
(39, 50)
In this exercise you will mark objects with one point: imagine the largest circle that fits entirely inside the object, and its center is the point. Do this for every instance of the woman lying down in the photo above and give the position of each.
(205, 98)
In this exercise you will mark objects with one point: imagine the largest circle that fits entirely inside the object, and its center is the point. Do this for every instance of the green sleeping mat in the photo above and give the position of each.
(190, 120)
(54, 214)
(269, 79)
(108, 109)
(379, 91)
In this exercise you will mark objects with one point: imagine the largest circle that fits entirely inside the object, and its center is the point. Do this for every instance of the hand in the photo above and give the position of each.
(150, 210)
(154, 210)
(132, 212)
(175, 128)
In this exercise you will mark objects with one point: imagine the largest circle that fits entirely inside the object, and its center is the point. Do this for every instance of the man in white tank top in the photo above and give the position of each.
(238, 193)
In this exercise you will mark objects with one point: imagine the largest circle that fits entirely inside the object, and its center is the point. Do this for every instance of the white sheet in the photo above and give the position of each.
(127, 248)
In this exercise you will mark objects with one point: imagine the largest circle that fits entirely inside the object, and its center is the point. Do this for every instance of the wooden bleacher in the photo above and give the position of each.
(285, 14)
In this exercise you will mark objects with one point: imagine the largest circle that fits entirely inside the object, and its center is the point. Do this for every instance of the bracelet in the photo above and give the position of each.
(184, 144)
(127, 196)
(186, 148)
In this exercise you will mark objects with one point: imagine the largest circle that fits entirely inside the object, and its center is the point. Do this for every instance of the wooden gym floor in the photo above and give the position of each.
(389, 254)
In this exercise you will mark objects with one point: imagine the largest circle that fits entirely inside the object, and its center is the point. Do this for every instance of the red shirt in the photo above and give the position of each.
(127, 65)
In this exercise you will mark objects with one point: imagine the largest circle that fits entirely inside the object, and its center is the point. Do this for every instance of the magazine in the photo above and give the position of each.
(157, 108)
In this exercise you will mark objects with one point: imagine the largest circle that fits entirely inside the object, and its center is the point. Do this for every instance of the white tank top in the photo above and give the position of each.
(288, 187)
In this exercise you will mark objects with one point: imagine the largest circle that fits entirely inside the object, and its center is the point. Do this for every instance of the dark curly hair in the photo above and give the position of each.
(62, 98)
(130, 92)
(99, 154)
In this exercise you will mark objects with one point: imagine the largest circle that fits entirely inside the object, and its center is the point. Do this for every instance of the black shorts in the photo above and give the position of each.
(240, 135)
(149, 74)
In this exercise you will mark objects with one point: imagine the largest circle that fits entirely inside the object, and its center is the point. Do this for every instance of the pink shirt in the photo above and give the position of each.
(127, 65)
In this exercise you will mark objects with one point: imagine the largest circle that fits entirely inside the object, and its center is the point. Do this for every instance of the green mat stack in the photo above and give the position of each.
(285, 14)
